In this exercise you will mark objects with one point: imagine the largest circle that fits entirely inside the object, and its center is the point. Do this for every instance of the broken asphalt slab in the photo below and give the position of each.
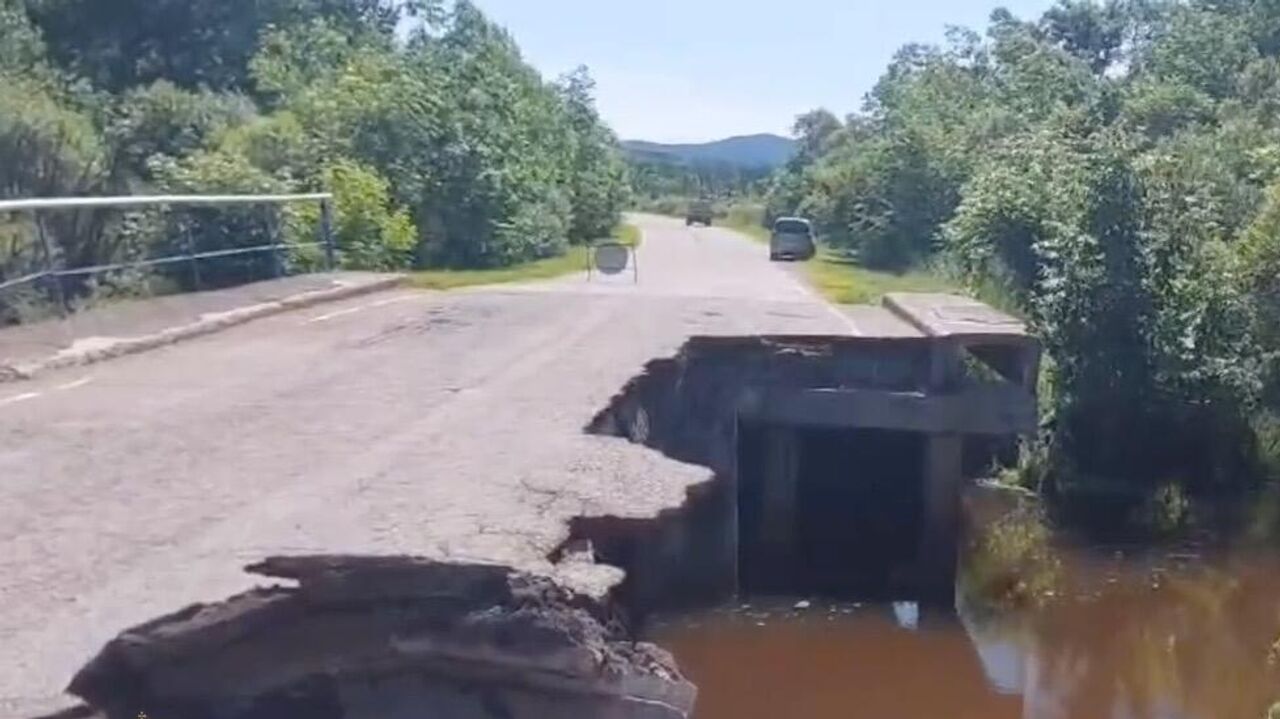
(382, 637)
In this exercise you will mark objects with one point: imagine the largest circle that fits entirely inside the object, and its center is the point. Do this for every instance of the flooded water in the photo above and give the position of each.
(1165, 637)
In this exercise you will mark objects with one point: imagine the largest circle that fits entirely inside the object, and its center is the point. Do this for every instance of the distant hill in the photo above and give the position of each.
(746, 151)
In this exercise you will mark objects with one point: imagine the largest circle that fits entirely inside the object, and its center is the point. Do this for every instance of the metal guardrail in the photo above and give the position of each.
(65, 203)
(36, 206)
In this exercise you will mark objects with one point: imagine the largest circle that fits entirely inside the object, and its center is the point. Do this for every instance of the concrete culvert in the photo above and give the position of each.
(837, 467)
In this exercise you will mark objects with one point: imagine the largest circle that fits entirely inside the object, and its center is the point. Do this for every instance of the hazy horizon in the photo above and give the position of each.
(786, 135)
(694, 72)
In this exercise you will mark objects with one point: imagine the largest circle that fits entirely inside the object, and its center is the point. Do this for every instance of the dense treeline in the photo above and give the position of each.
(443, 147)
(1112, 169)
(657, 178)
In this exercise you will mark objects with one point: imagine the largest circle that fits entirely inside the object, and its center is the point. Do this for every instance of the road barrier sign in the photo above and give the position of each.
(612, 258)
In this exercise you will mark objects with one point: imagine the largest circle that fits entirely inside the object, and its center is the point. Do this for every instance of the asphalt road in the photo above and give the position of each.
(446, 425)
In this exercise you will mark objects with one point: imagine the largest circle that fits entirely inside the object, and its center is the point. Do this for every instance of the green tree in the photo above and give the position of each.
(813, 130)
(1106, 167)
(1091, 31)
(21, 47)
(49, 148)
(599, 183)
(1202, 47)
(497, 189)
(193, 43)
(162, 119)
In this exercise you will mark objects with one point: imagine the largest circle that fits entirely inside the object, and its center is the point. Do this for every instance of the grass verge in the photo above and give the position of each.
(837, 278)
(575, 260)
(750, 229)
(844, 282)
(749, 220)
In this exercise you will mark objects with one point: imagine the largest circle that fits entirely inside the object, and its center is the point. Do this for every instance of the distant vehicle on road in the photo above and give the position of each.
(792, 239)
(700, 212)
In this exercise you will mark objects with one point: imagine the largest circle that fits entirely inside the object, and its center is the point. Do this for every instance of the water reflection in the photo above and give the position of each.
(1153, 639)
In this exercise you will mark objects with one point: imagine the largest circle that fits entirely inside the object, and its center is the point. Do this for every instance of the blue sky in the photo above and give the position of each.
(694, 70)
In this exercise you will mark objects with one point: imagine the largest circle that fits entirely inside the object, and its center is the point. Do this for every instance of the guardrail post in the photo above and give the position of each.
(189, 243)
(326, 234)
(277, 250)
(50, 263)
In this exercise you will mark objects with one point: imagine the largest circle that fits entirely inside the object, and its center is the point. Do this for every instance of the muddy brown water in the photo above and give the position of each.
(1158, 637)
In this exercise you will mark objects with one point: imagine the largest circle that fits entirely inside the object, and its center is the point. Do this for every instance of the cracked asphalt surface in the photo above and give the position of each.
(440, 424)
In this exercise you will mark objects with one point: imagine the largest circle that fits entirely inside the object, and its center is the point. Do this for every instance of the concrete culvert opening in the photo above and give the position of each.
(829, 512)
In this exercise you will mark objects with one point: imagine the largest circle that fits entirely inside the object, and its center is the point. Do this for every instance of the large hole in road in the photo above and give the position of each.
(794, 508)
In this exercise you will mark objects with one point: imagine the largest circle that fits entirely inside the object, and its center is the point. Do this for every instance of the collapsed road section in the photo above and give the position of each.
(835, 466)
(838, 461)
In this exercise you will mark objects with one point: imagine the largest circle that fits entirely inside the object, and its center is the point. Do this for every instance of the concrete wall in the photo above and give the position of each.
(690, 408)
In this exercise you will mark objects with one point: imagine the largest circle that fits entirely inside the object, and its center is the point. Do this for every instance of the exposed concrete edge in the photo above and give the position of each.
(1010, 330)
(97, 349)
(895, 306)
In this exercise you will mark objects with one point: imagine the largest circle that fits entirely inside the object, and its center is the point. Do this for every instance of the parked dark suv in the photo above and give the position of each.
(792, 239)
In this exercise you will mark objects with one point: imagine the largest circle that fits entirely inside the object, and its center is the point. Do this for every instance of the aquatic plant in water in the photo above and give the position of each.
(1011, 562)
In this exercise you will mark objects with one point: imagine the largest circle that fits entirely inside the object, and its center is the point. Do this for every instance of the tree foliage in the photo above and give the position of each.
(119, 44)
(599, 183)
(1112, 168)
(443, 148)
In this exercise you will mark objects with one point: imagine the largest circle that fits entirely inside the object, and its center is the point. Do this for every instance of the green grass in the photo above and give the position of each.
(575, 260)
(844, 282)
(749, 220)
(839, 279)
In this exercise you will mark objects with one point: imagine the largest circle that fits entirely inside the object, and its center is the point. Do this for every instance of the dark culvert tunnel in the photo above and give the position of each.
(853, 529)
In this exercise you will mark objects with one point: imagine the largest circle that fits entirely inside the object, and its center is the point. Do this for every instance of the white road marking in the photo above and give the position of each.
(361, 308)
(74, 385)
(401, 298)
(334, 315)
(18, 398)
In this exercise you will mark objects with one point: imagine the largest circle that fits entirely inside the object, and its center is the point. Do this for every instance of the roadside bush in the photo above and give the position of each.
(369, 232)
(207, 229)
(537, 230)
(51, 148)
(744, 215)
